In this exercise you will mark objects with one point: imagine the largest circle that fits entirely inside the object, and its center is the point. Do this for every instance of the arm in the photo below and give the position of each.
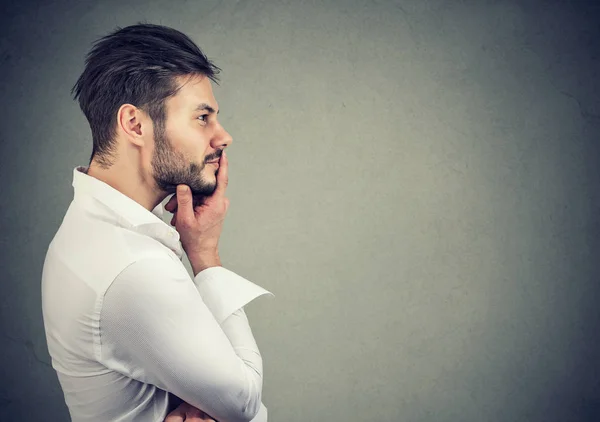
(236, 335)
(155, 321)
(199, 227)
(240, 340)
(226, 294)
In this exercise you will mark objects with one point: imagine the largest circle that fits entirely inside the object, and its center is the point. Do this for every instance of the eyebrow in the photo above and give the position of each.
(204, 106)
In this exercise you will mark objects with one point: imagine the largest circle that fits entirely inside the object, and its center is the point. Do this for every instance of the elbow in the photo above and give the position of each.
(241, 396)
(244, 400)
(251, 408)
(230, 396)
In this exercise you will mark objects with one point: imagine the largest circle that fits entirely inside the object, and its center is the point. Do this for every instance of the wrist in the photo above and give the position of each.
(202, 261)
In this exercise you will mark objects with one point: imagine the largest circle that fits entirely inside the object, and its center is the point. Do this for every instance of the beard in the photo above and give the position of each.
(171, 168)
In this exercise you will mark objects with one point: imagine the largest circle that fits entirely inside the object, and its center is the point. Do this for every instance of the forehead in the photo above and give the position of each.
(193, 91)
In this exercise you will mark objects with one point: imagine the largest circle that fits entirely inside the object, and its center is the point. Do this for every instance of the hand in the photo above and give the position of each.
(187, 412)
(200, 226)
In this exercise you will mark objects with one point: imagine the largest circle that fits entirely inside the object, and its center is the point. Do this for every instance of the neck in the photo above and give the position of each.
(130, 181)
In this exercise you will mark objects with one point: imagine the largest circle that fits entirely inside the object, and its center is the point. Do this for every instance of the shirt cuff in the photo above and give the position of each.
(224, 292)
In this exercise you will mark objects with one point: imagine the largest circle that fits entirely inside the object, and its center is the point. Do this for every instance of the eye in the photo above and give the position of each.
(203, 118)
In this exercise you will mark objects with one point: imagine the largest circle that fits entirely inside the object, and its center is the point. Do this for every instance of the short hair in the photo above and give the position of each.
(135, 65)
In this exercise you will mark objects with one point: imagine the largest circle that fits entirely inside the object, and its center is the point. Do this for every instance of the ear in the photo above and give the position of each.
(133, 123)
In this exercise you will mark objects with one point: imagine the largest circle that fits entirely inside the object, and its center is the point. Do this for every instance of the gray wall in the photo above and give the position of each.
(416, 181)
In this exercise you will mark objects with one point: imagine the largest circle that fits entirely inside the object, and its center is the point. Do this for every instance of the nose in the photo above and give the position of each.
(222, 138)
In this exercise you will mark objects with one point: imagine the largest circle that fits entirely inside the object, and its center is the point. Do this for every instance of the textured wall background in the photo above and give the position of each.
(416, 181)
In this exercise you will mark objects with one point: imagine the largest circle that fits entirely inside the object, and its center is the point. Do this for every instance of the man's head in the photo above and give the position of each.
(146, 92)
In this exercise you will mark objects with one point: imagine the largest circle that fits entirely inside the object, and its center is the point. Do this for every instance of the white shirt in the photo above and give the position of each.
(128, 329)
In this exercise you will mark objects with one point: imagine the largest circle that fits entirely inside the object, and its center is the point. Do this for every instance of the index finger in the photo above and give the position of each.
(171, 205)
(222, 175)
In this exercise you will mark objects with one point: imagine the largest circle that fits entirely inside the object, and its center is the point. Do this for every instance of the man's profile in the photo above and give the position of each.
(130, 333)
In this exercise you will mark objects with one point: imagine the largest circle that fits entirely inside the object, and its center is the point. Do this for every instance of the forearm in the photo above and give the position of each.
(237, 329)
(201, 261)
(170, 338)
(226, 293)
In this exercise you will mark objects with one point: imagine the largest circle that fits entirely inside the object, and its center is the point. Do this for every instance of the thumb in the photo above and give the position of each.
(176, 415)
(185, 209)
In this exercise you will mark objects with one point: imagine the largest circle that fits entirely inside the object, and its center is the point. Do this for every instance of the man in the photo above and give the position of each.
(130, 334)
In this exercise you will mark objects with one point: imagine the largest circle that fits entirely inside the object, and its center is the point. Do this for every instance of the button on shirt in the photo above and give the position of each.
(129, 331)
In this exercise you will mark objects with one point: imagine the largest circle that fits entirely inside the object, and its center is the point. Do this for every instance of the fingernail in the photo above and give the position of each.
(182, 188)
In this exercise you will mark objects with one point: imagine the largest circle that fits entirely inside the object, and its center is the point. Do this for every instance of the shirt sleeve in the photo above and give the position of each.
(155, 327)
(245, 347)
(224, 292)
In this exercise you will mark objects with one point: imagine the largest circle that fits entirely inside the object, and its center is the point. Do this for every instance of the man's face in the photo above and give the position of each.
(192, 138)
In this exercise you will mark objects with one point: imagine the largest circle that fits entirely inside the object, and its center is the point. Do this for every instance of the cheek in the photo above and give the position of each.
(185, 140)
(191, 139)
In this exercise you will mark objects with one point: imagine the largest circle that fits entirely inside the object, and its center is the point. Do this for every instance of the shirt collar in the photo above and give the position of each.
(126, 212)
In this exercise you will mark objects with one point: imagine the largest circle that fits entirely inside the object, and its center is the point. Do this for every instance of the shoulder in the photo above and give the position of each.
(97, 251)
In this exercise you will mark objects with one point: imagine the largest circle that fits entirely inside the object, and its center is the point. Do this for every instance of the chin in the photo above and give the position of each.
(205, 191)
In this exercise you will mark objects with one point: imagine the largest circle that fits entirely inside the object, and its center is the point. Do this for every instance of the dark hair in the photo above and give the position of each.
(134, 65)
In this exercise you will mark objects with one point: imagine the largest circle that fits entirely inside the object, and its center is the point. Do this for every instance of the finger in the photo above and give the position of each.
(226, 200)
(196, 415)
(194, 412)
(185, 210)
(222, 175)
(176, 415)
(171, 206)
(207, 418)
